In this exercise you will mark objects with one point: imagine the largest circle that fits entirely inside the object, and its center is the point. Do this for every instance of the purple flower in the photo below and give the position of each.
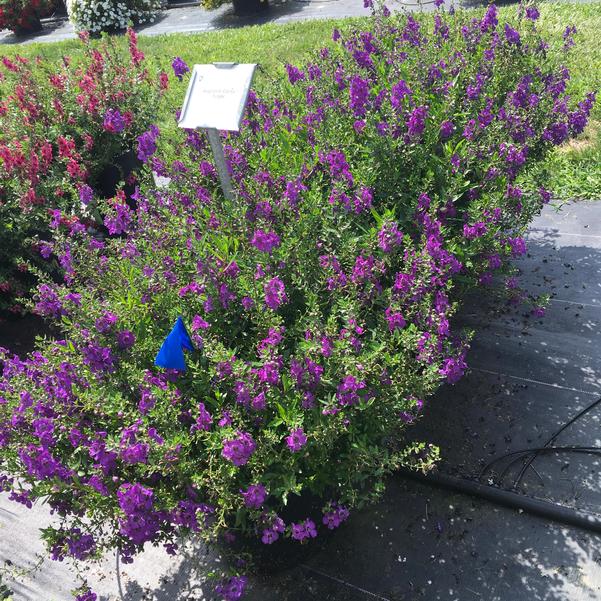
(269, 536)
(334, 516)
(556, 133)
(45, 249)
(518, 246)
(568, 36)
(359, 93)
(100, 359)
(198, 323)
(359, 126)
(265, 241)
(106, 322)
(80, 546)
(135, 453)
(118, 220)
(494, 261)
(125, 339)
(471, 232)
(113, 121)
(389, 236)
(43, 428)
(545, 195)
(363, 200)
(303, 530)
(538, 312)
(204, 419)
(86, 595)
(232, 589)
(446, 129)
(275, 293)
(140, 522)
(247, 303)
(41, 464)
(273, 338)
(273, 531)
(238, 450)
(296, 440)
(48, 303)
(455, 162)
(417, 122)
(532, 13)
(98, 485)
(347, 391)
(453, 369)
(398, 92)
(179, 67)
(339, 168)
(147, 143)
(489, 21)
(86, 194)
(511, 35)
(254, 496)
(395, 319)
(294, 74)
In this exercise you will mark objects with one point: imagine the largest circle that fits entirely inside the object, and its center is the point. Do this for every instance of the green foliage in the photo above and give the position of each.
(5, 592)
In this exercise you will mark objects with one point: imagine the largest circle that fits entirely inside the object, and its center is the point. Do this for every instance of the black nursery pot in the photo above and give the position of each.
(33, 25)
(109, 178)
(286, 553)
(244, 8)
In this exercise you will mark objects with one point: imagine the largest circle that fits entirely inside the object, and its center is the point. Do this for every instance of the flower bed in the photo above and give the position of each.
(372, 189)
(59, 131)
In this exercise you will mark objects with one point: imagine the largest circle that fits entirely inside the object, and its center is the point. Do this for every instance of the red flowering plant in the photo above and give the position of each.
(22, 16)
(370, 190)
(62, 127)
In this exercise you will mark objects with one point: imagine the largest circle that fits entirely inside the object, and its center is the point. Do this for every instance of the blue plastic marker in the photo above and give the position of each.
(171, 353)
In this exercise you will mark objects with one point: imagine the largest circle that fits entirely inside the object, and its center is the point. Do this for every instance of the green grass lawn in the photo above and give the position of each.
(573, 171)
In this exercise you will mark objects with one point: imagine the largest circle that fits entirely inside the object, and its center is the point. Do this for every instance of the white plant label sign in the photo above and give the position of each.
(216, 96)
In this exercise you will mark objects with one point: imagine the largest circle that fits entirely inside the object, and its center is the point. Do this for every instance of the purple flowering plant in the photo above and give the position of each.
(319, 299)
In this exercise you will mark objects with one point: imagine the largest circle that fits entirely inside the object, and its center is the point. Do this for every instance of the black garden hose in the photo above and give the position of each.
(514, 500)
(511, 498)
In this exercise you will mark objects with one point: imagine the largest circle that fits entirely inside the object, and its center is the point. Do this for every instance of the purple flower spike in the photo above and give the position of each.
(180, 68)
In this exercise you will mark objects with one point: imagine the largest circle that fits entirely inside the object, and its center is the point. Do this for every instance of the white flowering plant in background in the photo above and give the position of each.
(105, 15)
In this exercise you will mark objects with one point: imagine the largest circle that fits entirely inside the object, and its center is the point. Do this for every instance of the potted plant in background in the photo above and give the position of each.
(112, 16)
(59, 151)
(23, 16)
(242, 8)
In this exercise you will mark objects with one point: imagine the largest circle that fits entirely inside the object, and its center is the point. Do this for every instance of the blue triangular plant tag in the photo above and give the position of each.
(171, 353)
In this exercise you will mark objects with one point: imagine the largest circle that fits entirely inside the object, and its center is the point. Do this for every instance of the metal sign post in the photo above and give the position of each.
(215, 101)
(219, 156)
